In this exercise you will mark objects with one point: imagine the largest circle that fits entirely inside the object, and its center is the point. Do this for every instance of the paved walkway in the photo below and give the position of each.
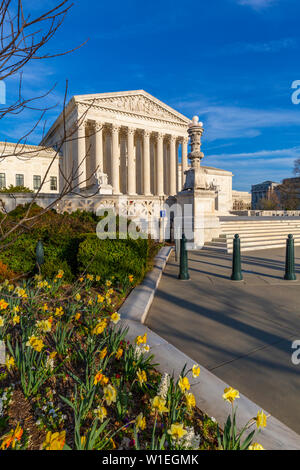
(241, 331)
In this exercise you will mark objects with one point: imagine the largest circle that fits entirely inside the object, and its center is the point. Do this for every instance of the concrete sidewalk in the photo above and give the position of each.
(242, 332)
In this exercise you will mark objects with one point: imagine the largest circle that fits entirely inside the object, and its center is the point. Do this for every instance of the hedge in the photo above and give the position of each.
(117, 258)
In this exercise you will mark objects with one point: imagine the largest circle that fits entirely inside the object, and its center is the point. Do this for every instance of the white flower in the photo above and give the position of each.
(190, 441)
(164, 386)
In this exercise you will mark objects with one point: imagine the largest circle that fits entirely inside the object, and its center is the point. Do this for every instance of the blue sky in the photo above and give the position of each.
(232, 62)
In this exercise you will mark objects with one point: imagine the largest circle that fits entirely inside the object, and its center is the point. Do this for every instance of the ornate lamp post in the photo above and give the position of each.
(195, 178)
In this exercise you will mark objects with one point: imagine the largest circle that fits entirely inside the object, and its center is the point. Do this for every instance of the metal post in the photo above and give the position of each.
(236, 260)
(177, 235)
(184, 270)
(290, 274)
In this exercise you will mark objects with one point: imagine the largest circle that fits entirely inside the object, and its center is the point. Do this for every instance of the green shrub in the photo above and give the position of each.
(16, 189)
(117, 258)
(70, 243)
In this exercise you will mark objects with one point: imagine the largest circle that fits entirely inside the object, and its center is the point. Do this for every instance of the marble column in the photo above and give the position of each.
(98, 147)
(67, 167)
(173, 185)
(160, 165)
(184, 159)
(146, 165)
(131, 160)
(79, 158)
(115, 159)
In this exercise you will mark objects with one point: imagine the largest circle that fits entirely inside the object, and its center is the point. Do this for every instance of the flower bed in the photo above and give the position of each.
(72, 381)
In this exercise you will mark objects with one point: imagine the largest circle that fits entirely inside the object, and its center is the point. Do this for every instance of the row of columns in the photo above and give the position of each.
(79, 157)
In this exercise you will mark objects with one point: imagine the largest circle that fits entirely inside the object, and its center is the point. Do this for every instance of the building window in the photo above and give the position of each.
(2, 180)
(53, 183)
(19, 180)
(37, 181)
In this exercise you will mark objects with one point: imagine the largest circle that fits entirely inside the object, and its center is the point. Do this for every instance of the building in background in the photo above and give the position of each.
(241, 200)
(262, 191)
(27, 165)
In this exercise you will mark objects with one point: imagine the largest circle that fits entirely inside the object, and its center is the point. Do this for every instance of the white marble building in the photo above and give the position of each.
(131, 138)
(27, 165)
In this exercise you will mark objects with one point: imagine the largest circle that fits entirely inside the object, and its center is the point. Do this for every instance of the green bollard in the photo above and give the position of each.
(290, 274)
(236, 260)
(40, 255)
(184, 270)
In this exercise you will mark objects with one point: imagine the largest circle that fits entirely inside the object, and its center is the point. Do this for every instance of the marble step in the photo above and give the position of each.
(288, 230)
(260, 236)
(268, 244)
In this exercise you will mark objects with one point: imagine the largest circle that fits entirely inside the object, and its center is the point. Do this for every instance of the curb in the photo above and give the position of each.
(208, 389)
(138, 303)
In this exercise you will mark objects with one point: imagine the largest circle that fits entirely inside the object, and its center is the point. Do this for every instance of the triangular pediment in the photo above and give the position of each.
(134, 102)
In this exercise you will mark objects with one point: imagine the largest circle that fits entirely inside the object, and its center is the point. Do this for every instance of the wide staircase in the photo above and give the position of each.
(261, 234)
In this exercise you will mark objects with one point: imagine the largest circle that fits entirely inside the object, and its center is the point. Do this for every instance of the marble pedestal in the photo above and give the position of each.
(200, 221)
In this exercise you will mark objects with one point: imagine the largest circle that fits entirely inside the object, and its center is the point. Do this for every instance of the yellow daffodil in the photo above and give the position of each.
(100, 378)
(177, 431)
(55, 440)
(90, 277)
(110, 394)
(9, 362)
(59, 312)
(3, 304)
(44, 325)
(196, 371)
(103, 353)
(11, 438)
(230, 394)
(140, 422)
(141, 376)
(190, 400)
(11, 287)
(16, 319)
(100, 327)
(261, 420)
(78, 297)
(115, 318)
(77, 316)
(60, 274)
(83, 441)
(119, 354)
(108, 283)
(256, 446)
(98, 278)
(141, 339)
(159, 404)
(100, 299)
(184, 384)
(35, 343)
(81, 279)
(90, 302)
(101, 413)
(16, 309)
(130, 278)
(1, 321)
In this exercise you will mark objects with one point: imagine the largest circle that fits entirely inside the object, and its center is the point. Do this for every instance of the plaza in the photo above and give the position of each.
(240, 331)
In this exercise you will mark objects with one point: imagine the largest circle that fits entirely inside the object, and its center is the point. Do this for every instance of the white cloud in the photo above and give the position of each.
(272, 46)
(253, 167)
(277, 157)
(233, 122)
(257, 4)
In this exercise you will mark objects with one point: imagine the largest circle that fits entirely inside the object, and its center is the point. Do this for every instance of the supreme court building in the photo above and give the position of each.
(121, 143)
